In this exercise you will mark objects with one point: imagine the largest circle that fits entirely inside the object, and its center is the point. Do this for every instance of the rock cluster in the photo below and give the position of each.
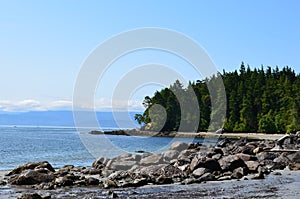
(182, 163)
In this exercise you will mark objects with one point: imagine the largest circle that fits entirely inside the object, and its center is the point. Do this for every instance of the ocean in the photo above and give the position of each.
(52, 136)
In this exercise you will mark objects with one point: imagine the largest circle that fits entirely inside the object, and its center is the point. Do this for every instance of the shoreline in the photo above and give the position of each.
(276, 185)
(256, 169)
(234, 136)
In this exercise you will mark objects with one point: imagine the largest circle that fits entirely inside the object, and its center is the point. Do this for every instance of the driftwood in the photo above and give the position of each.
(282, 150)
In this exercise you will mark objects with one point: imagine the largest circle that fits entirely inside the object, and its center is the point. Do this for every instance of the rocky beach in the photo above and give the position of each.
(232, 169)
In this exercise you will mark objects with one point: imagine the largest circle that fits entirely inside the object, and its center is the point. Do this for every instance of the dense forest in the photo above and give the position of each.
(259, 100)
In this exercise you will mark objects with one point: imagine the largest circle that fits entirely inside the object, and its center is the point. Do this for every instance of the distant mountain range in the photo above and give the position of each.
(64, 118)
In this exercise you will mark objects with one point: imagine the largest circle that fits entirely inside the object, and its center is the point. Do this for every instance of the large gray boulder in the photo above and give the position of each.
(121, 165)
(179, 146)
(295, 157)
(170, 155)
(231, 162)
(154, 159)
(205, 162)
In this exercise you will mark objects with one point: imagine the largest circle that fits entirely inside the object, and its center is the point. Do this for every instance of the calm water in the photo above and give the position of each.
(62, 144)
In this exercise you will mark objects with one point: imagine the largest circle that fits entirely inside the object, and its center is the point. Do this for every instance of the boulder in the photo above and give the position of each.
(280, 162)
(266, 156)
(31, 165)
(127, 157)
(169, 171)
(170, 155)
(152, 160)
(295, 157)
(30, 196)
(231, 162)
(245, 157)
(140, 182)
(179, 146)
(205, 162)
(107, 183)
(238, 173)
(64, 181)
(252, 166)
(121, 165)
(294, 166)
(200, 171)
(148, 170)
(31, 177)
(91, 171)
(92, 181)
(206, 177)
(100, 163)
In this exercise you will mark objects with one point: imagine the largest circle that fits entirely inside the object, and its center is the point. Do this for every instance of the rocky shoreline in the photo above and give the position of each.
(182, 164)
(236, 136)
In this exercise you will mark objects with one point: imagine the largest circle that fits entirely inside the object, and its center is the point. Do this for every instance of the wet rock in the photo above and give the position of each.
(179, 146)
(31, 177)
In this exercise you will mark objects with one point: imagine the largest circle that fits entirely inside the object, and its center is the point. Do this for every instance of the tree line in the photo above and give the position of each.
(258, 100)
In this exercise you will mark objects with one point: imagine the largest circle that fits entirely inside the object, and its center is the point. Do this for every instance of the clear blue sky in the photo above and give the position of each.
(43, 43)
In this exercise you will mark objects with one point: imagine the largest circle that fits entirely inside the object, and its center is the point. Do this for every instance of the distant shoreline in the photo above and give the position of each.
(136, 132)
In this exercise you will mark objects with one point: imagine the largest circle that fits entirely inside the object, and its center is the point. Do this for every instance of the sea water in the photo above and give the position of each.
(52, 136)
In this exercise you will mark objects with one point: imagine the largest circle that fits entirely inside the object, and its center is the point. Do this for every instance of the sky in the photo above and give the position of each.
(43, 44)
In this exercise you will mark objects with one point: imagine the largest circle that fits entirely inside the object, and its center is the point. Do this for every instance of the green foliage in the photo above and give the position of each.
(267, 124)
(256, 101)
